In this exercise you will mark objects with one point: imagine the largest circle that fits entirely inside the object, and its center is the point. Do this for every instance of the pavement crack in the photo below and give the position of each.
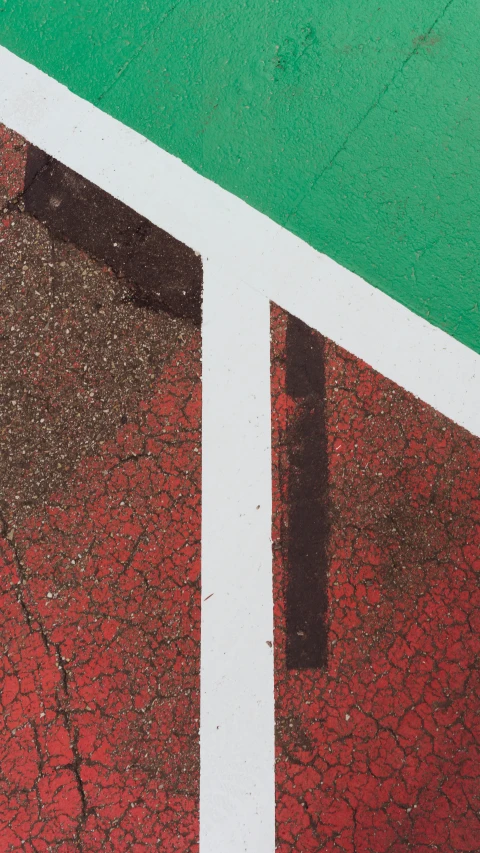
(33, 621)
(137, 53)
(134, 550)
(76, 765)
(417, 45)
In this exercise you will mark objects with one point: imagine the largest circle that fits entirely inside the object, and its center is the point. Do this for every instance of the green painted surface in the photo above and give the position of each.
(353, 123)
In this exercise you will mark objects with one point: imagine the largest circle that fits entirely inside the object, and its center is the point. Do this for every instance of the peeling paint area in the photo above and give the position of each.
(99, 560)
(100, 612)
(378, 751)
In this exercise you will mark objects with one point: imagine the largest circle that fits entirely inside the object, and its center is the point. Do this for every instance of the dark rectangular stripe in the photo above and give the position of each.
(161, 271)
(307, 538)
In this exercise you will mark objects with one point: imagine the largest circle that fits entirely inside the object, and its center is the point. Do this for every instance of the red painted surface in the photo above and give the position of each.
(100, 630)
(100, 657)
(379, 752)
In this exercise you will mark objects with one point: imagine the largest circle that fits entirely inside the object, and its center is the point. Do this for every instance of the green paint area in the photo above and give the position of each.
(354, 123)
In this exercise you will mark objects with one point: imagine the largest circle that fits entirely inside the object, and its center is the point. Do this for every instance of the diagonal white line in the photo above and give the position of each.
(402, 346)
(237, 793)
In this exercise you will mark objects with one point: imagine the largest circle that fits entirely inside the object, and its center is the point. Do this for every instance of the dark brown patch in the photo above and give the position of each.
(408, 538)
(161, 271)
(37, 161)
(77, 356)
(307, 564)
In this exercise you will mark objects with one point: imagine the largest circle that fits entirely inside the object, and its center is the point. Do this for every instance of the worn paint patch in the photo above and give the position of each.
(76, 352)
(100, 625)
(99, 554)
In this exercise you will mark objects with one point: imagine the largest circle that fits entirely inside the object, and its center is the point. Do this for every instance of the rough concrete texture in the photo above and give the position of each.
(350, 123)
(378, 751)
(77, 354)
(13, 157)
(99, 556)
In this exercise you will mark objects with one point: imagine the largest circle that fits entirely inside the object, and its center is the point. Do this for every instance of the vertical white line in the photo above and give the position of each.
(237, 791)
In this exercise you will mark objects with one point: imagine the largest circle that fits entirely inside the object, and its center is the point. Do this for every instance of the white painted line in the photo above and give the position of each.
(237, 786)
(404, 348)
(419, 357)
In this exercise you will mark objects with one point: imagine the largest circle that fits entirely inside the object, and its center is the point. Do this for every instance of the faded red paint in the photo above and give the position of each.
(100, 629)
(379, 752)
(100, 657)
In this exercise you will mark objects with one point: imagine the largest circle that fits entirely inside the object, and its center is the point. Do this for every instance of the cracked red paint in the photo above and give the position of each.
(100, 628)
(378, 752)
(100, 614)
